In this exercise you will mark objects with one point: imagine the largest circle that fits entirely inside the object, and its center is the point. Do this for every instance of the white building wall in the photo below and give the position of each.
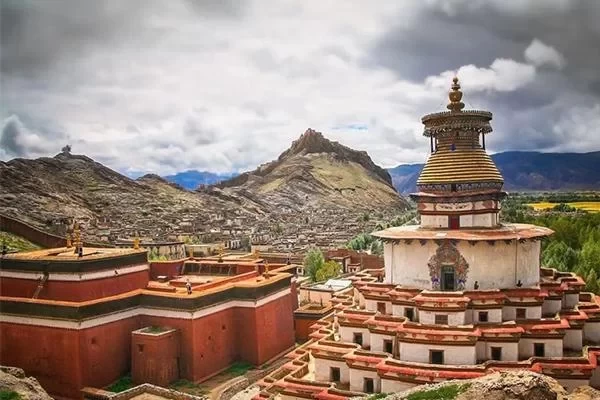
(570, 300)
(322, 370)
(453, 355)
(388, 262)
(551, 307)
(434, 221)
(347, 335)
(510, 350)
(499, 266)
(398, 311)
(454, 318)
(376, 341)
(509, 313)
(393, 386)
(573, 339)
(494, 315)
(371, 305)
(591, 331)
(357, 377)
(553, 347)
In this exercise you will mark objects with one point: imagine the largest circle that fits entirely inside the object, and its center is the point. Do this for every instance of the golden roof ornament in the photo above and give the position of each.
(69, 244)
(455, 96)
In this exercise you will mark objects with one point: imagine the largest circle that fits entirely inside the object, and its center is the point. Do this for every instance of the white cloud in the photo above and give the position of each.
(503, 75)
(540, 54)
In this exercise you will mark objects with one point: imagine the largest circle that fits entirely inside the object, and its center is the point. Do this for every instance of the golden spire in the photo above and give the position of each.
(136, 243)
(455, 96)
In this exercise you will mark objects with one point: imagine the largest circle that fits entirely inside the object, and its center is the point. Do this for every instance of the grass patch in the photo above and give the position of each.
(16, 243)
(377, 396)
(448, 392)
(185, 386)
(9, 395)
(239, 368)
(121, 385)
(155, 329)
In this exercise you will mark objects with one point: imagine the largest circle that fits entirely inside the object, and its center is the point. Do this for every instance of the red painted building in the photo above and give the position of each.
(74, 322)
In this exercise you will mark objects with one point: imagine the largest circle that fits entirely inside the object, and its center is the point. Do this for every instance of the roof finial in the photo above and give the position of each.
(455, 95)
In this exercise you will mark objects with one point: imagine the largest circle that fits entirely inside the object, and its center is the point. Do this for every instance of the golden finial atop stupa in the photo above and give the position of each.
(136, 243)
(256, 254)
(455, 96)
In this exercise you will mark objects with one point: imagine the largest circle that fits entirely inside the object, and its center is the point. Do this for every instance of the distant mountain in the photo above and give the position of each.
(526, 171)
(192, 179)
(317, 173)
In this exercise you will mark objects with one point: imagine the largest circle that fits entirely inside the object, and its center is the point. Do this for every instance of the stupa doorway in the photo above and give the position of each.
(448, 278)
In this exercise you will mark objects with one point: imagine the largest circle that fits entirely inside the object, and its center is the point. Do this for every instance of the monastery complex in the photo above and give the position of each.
(459, 296)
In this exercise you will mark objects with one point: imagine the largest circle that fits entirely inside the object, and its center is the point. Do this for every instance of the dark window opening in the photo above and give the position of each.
(454, 221)
(497, 353)
(521, 313)
(436, 356)
(381, 307)
(334, 374)
(453, 187)
(539, 349)
(409, 313)
(369, 386)
(483, 316)
(358, 338)
(140, 348)
(441, 319)
(388, 346)
(447, 283)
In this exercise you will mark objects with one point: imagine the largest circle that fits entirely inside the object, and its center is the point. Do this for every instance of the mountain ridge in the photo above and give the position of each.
(526, 171)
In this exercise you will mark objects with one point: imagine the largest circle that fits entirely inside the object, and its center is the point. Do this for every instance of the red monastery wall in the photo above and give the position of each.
(274, 328)
(105, 351)
(169, 269)
(49, 354)
(75, 290)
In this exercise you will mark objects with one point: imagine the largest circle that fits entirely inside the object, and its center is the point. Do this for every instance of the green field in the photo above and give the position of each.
(590, 206)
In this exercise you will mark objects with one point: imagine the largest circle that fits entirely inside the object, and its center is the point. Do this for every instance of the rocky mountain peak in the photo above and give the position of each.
(312, 141)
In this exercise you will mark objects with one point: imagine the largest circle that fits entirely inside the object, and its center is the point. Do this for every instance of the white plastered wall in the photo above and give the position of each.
(453, 355)
(454, 318)
(573, 339)
(323, 370)
(398, 311)
(347, 335)
(357, 377)
(393, 386)
(551, 307)
(377, 339)
(553, 347)
(570, 300)
(494, 315)
(499, 266)
(371, 305)
(510, 350)
(509, 313)
(591, 331)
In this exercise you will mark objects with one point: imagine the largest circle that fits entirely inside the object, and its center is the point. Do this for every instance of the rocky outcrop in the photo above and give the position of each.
(518, 385)
(14, 380)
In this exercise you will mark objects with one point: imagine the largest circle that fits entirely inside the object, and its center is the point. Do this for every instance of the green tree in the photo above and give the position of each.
(329, 269)
(313, 261)
(591, 282)
(560, 256)
(590, 256)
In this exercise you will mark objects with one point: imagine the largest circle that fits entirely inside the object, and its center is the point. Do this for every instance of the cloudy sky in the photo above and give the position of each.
(224, 85)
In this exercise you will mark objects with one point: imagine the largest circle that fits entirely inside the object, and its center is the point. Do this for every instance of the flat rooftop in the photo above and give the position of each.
(502, 232)
(68, 254)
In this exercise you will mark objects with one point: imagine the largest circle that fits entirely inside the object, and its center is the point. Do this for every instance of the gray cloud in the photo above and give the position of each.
(227, 85)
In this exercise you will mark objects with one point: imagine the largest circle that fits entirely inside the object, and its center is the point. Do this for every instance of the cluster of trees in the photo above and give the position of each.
(575, 244)
(555, 197)
(317, 268)
(155, 256)
(367, 243)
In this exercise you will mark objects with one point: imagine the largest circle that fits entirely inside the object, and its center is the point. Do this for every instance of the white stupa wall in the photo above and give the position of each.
(497, 266)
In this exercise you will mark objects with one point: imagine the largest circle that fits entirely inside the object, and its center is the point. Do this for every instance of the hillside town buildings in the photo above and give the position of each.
(461, 294)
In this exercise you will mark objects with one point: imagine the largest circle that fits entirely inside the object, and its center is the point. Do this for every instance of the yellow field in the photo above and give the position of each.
(590, 206)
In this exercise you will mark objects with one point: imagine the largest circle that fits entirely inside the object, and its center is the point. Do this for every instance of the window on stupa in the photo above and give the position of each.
(388, 346)
(521, 313)
(409, 313)
(358, 338)
(497, 353)
(539, 349)
(441, 319)
(368, 386)
(381, 307)
(436, 356)
(334, 374)
(483, 316)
